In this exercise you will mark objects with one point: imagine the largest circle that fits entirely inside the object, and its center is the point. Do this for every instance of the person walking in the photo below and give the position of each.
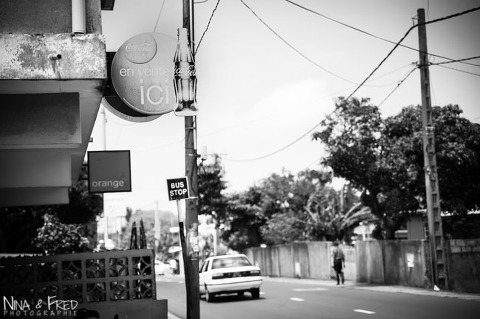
(338, 262)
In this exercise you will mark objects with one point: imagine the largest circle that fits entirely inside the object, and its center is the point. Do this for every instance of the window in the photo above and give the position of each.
(230, 262)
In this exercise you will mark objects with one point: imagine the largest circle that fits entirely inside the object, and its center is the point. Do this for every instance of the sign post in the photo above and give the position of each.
(178, 191)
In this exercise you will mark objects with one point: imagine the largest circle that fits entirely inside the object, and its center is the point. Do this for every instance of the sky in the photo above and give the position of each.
(263, 86)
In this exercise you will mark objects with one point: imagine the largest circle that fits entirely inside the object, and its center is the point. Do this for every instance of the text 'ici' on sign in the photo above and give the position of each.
(177, 188)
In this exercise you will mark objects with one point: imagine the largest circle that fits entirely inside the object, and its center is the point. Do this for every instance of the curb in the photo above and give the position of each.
(371, 287)
(172, 316)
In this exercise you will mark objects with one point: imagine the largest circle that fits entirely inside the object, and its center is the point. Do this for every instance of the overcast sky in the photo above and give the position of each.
(263, 85)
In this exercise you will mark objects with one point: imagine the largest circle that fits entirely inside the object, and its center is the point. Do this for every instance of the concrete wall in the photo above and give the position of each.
(301, 260)
(387, 262)
(46, 16)
(464, 265)
(392, 262)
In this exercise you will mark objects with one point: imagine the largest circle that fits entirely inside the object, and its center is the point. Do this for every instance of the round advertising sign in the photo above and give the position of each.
(142, 73)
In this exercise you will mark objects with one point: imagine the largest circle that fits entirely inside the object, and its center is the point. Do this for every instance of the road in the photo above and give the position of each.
(318, 299)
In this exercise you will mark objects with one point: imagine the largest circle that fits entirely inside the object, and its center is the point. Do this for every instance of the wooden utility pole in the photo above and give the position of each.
(191, 213)
(435, 232)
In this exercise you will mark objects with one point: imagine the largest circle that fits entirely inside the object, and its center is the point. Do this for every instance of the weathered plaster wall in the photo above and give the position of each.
(52, 56)
(45, 16)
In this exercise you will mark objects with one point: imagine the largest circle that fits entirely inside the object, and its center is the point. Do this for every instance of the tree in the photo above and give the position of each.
(55, 237)
(457, 143)
(284, 208)
(305, 208)
(210, 189)
(19, 225)
(352, 136)
(18, 228)
(243, 221)
(384, 159)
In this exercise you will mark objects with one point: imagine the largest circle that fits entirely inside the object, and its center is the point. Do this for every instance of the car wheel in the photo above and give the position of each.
(255, 293)
(208, 295)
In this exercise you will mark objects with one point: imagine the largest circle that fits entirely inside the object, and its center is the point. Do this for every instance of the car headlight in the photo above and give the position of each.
(255, 273)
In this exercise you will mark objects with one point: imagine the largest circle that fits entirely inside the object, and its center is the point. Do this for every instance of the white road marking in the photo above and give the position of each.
(364, 311)
(262, 293)
(296, 299)
(309, 289)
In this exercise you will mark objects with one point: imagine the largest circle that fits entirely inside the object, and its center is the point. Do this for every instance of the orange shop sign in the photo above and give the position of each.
(109, 172)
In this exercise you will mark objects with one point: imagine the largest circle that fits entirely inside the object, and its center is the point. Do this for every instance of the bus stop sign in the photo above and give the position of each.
(177, 188)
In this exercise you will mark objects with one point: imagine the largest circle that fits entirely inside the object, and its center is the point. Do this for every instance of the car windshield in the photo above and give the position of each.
(230, 262)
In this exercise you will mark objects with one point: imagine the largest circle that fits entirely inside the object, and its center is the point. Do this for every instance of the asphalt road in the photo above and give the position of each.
(316, 299)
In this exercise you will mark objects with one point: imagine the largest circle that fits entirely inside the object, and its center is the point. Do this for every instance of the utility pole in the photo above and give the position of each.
(191, 212)
(435, 232)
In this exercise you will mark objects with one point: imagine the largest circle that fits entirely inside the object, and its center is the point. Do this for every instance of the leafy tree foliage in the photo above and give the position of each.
(55, 237)
(241, 228)
(384, 159)
(284, 208)
(210, 189)
(18, 228)
(19, 225)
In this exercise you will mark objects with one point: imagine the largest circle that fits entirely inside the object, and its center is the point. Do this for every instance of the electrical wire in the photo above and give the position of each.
(403, 38)
(458, 70)
(277, 151)
(311, 130)
(365, 32)
(208, 25)
(398, 85)
(295, 49)
(368, 77)
(159, 14)
(459, 60)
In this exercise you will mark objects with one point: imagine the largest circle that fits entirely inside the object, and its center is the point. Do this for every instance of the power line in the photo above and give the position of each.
(277, 151)
(368, 77)
(398, 85)
(295, 49)
(208, 25)
(403, 38)
(458, 70)
(459, 60)
(308, 132)
(159, 14)
(365, 32)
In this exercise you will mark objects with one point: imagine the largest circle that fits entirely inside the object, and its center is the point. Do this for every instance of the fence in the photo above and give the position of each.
(90, 281)
(383, 262)
(464, 265)
(393, 262)
(301, 260)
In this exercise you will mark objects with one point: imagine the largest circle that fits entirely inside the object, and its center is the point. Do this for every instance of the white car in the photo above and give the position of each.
(229, 274)
(161, 268)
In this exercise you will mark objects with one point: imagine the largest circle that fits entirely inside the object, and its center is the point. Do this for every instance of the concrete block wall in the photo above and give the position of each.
(301, 260)
(464, 265)
(392, 262)
(369, 262)
(389, 262)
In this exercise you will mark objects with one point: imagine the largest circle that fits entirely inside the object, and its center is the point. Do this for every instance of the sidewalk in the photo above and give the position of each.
(381, 288)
